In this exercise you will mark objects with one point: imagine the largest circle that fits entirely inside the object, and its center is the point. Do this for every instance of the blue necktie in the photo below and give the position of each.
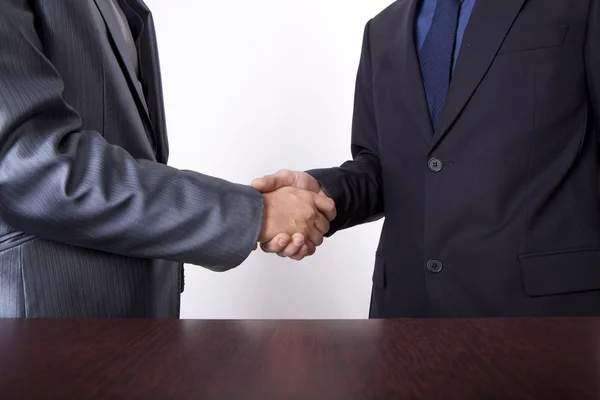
(436, 54)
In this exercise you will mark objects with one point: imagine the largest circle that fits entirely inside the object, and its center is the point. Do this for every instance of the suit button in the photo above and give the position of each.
(435, 266)
(435, 165)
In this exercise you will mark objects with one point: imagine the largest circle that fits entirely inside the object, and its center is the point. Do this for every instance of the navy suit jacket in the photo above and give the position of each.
(496, 211)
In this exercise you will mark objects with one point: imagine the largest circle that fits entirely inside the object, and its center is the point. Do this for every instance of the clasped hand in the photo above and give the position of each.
(296, 215)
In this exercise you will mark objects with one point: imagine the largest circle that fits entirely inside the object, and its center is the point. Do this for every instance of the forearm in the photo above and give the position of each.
(356, 188)
(77, 189)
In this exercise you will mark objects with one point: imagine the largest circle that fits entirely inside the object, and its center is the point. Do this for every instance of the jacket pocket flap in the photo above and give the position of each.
(14, 239)
(561, 272)
(534, 39)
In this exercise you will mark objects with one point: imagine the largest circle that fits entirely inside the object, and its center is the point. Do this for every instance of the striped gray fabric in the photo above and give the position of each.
(83, 174)
(11, 284)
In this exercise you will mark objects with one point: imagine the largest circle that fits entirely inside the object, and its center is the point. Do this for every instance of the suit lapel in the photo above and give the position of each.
(120, 50)
(485, 32)
(405, 62)
(151, 75)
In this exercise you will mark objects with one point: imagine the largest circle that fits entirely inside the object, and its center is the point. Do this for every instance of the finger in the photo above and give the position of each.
(311, 248)
(326, 206)
(255, 246)
(302, 253)
(322, 224)
(295, 246)
(273, 182)
(277, 244)
(307, 250)
(314, 234)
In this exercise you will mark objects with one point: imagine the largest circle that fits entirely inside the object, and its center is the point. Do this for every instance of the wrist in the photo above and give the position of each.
(263, 225)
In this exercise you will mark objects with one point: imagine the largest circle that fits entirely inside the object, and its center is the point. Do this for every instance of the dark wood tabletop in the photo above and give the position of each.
(377, 359)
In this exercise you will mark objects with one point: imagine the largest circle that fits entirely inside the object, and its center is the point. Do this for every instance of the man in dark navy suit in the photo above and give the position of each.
(475, 134)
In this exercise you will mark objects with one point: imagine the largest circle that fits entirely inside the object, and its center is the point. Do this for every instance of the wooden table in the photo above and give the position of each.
(271, 360)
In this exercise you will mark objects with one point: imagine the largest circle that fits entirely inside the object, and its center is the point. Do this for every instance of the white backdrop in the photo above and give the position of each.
(252, 87)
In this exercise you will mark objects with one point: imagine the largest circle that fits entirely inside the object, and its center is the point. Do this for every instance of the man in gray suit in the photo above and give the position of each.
(93, 223)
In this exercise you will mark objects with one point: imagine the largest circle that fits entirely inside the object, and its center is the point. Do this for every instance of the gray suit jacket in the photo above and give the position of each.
(93, 223)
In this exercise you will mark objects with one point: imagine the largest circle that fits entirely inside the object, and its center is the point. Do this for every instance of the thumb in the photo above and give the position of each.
(273, 182)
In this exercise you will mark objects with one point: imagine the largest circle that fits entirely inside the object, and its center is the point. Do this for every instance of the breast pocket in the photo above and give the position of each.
(534, 38)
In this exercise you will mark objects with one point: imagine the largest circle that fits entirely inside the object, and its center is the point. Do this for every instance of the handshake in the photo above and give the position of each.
(297, 213)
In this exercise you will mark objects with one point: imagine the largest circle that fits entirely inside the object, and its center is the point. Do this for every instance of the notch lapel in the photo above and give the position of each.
(116, 34)
(408, 72)
(485, 32)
